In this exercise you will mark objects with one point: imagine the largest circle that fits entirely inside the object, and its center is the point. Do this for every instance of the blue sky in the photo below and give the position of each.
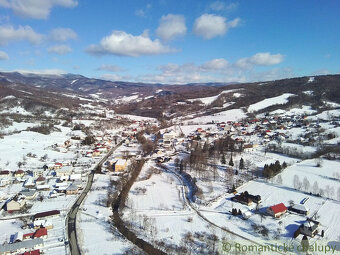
(171, 41)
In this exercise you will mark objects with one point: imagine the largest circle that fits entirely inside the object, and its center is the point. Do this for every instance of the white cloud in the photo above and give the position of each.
(59, 49)
(9, 33)
(143, 11)
(209, 25)
(260, 59)
(36, 9)
(215, 70)
(171, 26)
(215, 64)
(3, 55)
(222, 6)
(110, 68)
(271, 75)
(63, 34)
(321, 72)
(121, 43)
(41, 71)
(218, 70)
(115, 77)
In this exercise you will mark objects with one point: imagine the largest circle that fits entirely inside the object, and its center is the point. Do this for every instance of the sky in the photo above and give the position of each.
(171, 42)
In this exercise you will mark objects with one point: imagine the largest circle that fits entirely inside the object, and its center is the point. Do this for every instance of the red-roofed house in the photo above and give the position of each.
(35, 252)
(277, 210)
(28, 236)
(40, 233)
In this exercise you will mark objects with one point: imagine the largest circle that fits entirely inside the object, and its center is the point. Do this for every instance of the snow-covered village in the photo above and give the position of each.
(185, 186)
(146, 127)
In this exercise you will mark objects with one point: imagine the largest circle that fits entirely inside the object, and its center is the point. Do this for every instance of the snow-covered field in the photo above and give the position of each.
(283, 99)
(209, 100)
(14, 148)
(96, 234)
(229, 115)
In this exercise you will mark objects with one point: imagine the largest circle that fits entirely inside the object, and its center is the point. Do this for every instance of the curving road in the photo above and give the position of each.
(199, 214)
(72, 215)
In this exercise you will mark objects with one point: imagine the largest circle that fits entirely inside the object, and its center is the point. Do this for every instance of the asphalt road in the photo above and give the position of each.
(72, 215)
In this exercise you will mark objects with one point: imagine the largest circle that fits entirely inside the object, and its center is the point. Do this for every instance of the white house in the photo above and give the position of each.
(38, 172)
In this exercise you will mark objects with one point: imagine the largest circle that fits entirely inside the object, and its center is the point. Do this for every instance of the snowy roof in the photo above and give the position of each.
(121, 162)
(300, 207)
(29, 244)
(28, 193)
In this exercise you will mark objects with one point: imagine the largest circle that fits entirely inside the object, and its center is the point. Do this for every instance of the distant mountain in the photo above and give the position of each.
(164, 101)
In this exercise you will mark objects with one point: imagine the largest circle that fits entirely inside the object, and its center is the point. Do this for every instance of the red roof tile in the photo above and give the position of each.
(35, 252)
(40, 232)
(278, 208)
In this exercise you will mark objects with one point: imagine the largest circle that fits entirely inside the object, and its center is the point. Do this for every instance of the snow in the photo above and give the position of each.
(308, 92)
(7, 97)
(11, 227)
(311, 79)
(229, 115)
(168, 199)
(93, 223)
(303, 110)
(74, 81)
(127, 99)
(209, 100)
(325, 115)
(18, 126)
(14, 147)
(283, 99)
(137, 118)
(324, 175)
(237, 95)
(331, 104)
(17, 110)
(87, 123)
(191, 128)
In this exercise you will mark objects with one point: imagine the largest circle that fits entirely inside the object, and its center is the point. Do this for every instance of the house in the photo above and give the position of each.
(301, 209)
(72, 189)
(40, 180)
(38, 172)
(246, 214)
(120, 165)
(57, 165)
(247, 199)
(34, 252)
(243, 199)
(21, 246)
(47, 214)
(19, 173)
(17, 237)
(74, 177)
(45, 187)
(277, 210)
(42, 224)
(4, 182)
(40, 233)
(247, 147)
(29, 183)
(309, 228)
(5, 173)
(168, 137)
(14, 206)
(29, 194)
(65, 171)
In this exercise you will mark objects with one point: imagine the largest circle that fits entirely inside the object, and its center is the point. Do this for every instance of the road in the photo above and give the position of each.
(199, 212)
(72, 215)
